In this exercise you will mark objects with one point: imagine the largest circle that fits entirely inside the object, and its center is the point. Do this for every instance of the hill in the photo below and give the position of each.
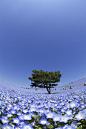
(76, 86)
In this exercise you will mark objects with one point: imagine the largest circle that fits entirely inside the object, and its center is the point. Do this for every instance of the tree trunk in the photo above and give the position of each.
(49, 90)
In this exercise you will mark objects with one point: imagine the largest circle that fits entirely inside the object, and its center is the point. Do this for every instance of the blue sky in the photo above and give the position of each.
(42, 34)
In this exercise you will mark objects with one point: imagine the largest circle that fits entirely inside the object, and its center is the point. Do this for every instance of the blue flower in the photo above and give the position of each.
(9, 115)
(74, 124)
(43, 121)
(27, 117)
(70, 127)
(16, 107)
(64, 118)
(73, 104)
(27, 126)
(19, 113)
(9, 106)
(32, 109)
(21, 117)
(6, 126)
(4, 120)
(69, 112)
(82, 106)
(33, 123)
(15, 120)
(50, 115)
(57, 118)
(13, 111)
(80, 115)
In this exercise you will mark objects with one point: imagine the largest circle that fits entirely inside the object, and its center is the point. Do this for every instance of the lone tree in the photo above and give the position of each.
(44, 79)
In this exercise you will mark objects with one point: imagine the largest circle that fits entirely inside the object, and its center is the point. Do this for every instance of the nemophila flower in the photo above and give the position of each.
(47, 111)
(32, 105)
(13, 111)
(62, 103)
(25, 110)
(9, 106)
(3, 106)
(26, 126)
(23, 103)
(18, 113)
(15, 107)
(69, 112)
(32, 109)
(62, 110)
(43, 121)
(19, 97)
(69, 127)
(15, 120)
(73, 104)
(9, 115)
(74, 124)
(50, 115)
(80, 115)
(64, 118)
(6, 126)
(41, 111)
(57, 118)
(33, 123)
(65, 107)
(5, 113)
(27, 117)
(4, 120)
(17, 127)
(82, 106)
(59, 106)
(84, 111)
(15, 98)
(21, 117)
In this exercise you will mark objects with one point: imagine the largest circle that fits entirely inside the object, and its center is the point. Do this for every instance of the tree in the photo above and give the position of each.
(45, 79)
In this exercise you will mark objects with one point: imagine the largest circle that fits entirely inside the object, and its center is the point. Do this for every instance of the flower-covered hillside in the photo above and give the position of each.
(23, 110)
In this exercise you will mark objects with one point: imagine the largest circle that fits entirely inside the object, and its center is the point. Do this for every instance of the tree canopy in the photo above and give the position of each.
(45, 79)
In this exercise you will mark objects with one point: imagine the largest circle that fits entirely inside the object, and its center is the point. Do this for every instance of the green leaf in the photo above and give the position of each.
(50, 126)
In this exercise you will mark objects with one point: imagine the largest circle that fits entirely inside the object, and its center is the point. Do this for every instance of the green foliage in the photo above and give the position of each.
(80, 127)
(44, 79)
(50, 126)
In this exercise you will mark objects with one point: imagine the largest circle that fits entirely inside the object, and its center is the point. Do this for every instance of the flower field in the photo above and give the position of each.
(42, 111)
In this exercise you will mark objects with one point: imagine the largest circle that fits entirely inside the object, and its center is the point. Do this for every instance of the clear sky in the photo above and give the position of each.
(42, 34)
